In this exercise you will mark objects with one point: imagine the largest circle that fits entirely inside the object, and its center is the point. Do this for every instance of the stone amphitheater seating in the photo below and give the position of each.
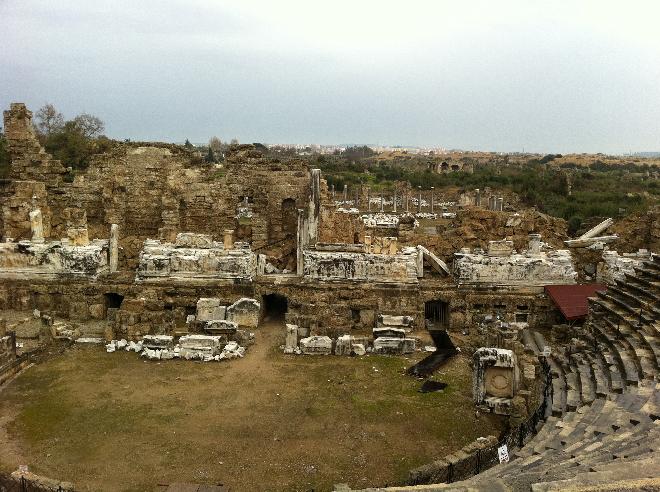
(605, 422)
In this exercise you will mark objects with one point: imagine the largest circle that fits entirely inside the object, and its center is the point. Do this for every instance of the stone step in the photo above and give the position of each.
(652, 274)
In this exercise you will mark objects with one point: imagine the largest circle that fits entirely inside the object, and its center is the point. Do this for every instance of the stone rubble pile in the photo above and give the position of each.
(206, 348)
(389, 338)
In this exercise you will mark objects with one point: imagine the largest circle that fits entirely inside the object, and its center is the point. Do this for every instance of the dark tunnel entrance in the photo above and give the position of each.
(275, 307)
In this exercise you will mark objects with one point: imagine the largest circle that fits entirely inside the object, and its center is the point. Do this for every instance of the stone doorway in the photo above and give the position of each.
(275, 307)
(436, 315)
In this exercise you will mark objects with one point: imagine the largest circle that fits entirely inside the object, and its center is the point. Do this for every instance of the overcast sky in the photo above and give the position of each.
(494, 75)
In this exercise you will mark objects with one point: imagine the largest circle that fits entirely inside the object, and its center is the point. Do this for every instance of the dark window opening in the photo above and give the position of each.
(191, 310)
(521, 318)
(522, 307)
(168, 306)
(478, 306)
(500, 306)
(455, 167)
(355, 314)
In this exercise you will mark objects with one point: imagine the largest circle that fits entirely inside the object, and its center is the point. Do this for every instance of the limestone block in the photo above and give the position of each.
(291, 342)
(77, 236)
(244, 312)
(343, 345)
(358, 349)
(97, 311)
(389, 332)
(500, 248)
(495, 378)
(133, 305)
(388, 320)
(199, 346)
(220, 326)
(192, 240)
(158, 342)
(316, 345)
(209, 308)
(395, 346)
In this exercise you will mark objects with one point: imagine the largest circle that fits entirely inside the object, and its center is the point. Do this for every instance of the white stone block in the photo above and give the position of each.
(291, 342)
(316, 345)
(395, 346)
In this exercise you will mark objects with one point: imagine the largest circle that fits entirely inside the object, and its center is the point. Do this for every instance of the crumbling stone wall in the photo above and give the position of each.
(153, 191)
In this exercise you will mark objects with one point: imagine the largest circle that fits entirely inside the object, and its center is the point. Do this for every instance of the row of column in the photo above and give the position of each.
(405, 199)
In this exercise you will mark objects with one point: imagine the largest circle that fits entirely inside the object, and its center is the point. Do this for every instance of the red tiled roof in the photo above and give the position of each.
(572, 299)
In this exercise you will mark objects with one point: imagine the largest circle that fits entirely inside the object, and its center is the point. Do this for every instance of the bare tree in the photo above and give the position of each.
(89, 126)
(216, 145)
(49, 120)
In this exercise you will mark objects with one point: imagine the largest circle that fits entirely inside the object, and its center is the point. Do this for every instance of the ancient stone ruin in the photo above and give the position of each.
(148, 251)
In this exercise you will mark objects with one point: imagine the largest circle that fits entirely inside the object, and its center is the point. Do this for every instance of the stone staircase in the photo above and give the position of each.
(605, 422)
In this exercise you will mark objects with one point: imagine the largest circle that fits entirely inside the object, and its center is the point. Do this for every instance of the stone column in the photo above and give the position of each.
(394, 201)
(382, 202)
(477, 197)
(368, 199)
(367, 244)
(419, 200)
(534, 244)
(345, 193)
(228, 239)
(432, 197)
(394, 246)
(114, 248)
(333, 192)
(37, 226)
(300, 242)
(356, 204)
(314, 207)
(500, 204)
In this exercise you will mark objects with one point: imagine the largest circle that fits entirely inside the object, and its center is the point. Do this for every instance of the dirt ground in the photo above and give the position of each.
(265, 422)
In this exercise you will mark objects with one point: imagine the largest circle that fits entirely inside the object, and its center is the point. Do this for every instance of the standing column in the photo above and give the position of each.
(228, 239)
(419, 200)
(345, 193)
(432, 197)
(333, 193)
(500, 204)
(477, 197)
(114, 248)
(394, 201)
(368, 199)
(382, 202)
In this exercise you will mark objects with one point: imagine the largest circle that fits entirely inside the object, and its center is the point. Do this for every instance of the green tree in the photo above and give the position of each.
(210, 156)
(188, 145)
